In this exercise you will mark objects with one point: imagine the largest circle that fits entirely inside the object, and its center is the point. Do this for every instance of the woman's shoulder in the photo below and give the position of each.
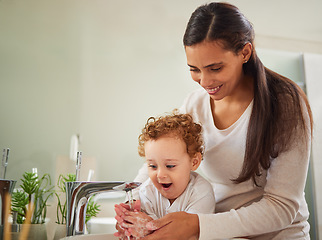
(196, 95)
(196, 100)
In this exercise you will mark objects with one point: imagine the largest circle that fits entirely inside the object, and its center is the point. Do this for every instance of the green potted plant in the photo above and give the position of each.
(91, 211)
(36, 190)
(61, 204)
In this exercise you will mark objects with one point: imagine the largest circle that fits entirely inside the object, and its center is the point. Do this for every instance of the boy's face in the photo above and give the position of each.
(169, 165)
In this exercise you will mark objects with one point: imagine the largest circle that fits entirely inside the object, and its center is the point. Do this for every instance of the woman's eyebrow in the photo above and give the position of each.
(208, 66)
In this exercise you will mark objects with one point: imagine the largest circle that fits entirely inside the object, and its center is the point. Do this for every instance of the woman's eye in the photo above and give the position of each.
(171, 166)
(194, 70)
(152, 166)
(216, 69)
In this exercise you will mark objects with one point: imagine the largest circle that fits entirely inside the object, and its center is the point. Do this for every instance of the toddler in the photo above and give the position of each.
(173, 147)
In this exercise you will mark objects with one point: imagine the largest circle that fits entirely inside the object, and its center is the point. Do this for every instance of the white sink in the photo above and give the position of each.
(91, 237)
(106, 237)
(100, 225)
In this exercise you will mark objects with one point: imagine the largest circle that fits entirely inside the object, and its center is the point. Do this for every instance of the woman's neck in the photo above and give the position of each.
(228, 110)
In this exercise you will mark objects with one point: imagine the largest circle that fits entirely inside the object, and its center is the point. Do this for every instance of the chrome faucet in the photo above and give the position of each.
(77, 196)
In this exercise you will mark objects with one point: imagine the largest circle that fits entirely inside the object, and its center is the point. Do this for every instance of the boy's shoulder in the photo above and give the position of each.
(200, 189)
(200, 183)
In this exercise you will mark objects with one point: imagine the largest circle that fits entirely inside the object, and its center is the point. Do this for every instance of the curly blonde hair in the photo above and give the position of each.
(173, 125)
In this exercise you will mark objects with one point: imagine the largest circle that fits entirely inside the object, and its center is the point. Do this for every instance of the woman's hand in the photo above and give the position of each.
(174, 226)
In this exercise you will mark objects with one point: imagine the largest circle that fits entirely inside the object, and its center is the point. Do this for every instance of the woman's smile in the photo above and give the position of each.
(213, 91)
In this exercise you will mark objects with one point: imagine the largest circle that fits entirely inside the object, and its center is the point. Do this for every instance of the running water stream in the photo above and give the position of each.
(131, 201)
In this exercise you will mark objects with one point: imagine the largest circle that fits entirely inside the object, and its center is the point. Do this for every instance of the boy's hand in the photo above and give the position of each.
(120, 210)
(135, 223)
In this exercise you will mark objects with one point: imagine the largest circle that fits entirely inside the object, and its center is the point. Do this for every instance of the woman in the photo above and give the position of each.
(257, 133)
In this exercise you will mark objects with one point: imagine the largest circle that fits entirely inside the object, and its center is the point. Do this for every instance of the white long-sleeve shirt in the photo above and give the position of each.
(275, 210)
(198, 197)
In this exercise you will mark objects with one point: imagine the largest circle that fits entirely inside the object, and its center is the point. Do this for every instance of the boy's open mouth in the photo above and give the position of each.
(166, 185)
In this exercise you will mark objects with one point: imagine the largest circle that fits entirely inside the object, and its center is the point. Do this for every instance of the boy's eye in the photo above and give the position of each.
(152, 166)
(171, 166)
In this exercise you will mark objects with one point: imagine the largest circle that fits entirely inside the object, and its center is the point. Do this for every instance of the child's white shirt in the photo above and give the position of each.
(198, 197)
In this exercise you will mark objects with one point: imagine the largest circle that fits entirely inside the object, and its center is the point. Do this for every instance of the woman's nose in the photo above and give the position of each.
(205, 80)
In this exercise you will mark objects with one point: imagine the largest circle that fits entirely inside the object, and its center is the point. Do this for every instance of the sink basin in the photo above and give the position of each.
(101, 225)
(105, 237)
(91, 237)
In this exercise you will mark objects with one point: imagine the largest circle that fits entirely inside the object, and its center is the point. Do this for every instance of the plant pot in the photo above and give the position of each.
(60, 231)
(36, 232)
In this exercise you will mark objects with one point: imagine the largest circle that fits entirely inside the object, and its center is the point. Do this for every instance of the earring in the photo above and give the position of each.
(245, 61)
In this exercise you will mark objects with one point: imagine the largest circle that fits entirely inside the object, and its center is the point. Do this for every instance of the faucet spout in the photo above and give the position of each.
(77, 195)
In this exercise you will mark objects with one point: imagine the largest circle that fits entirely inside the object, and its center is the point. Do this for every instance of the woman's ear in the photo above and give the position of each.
(247, 52)
(195, 161)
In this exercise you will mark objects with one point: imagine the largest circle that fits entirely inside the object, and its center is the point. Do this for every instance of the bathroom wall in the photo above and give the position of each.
(313, 73)
(100, 68)
(39, 82)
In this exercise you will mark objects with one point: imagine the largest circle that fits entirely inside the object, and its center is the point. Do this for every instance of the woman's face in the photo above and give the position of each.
(218, 71)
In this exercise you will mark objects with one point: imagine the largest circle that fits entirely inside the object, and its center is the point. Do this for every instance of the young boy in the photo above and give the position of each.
(172, 146)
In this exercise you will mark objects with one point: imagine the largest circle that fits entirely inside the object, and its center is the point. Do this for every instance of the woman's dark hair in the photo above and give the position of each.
(277, 117)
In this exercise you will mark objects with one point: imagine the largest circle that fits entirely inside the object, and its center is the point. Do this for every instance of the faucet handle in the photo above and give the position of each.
(4, 163)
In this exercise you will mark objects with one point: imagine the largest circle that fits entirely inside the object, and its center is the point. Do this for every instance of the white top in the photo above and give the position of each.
(198, 197)
(276, 210)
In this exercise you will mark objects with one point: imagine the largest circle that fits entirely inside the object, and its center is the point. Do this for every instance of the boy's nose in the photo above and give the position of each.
(161, 173)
